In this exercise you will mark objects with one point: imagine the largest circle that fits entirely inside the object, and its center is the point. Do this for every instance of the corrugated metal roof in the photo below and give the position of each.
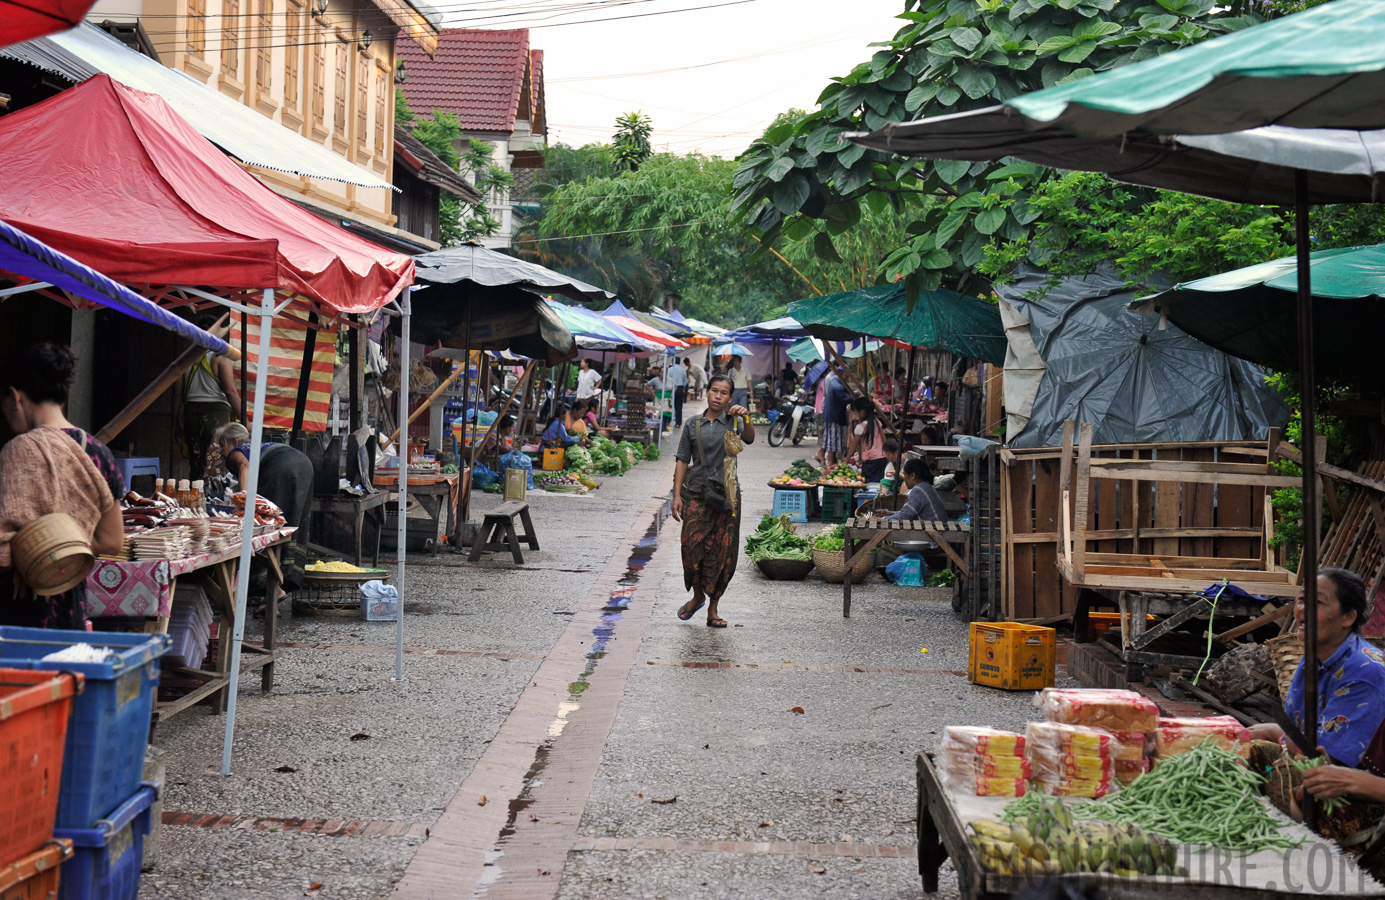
(476, 74)
(245, 134)
(431, 167)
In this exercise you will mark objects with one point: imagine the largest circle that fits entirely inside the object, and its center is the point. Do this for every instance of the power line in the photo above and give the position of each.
(573, 237)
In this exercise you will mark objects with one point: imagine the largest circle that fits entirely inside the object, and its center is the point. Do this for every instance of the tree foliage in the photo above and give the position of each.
(802, 180)
(631, 141)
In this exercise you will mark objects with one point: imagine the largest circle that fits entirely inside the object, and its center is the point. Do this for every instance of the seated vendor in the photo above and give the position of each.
(574, 422)
(1351, 675)
(500, 438)
(588, 414)
(923, 502)
(556, 434)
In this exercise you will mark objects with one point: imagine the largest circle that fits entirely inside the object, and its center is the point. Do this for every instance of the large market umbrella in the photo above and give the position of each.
(1104, 363)
(1251, 313)
(23, 20)
(1323, 68)
(941, 319)
(596, 332)
(810, 349)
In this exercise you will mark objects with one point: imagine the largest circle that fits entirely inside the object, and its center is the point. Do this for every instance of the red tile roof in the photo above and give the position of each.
(483, 77)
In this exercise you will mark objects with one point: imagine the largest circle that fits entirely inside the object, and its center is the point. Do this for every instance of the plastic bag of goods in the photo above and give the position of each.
(1107, 709)
(984, 761)
(1073, 760)
(1179, 735)
(516, 460)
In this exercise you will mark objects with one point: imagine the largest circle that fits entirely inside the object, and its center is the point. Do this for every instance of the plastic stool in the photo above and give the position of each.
(793, 504)
(135, 466)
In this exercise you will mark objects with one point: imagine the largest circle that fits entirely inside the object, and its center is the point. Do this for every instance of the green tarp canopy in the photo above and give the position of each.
(941, 320)
(1251, 312)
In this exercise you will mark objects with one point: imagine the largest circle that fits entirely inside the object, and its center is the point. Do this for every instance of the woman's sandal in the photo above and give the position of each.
(716, 623)
(689, 609)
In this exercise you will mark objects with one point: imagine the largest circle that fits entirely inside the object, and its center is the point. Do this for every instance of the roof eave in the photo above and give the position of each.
(412, 23)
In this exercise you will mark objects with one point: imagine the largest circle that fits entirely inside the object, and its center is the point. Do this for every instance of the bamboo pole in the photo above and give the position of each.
(447, 383)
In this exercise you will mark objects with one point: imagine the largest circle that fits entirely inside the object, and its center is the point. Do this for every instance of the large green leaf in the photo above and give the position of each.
(974, 82)
(790, 194)
(988, 220)
(779, 168)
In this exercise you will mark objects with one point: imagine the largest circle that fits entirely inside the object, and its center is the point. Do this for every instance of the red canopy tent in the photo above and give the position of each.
(116, 179)
(24, 20)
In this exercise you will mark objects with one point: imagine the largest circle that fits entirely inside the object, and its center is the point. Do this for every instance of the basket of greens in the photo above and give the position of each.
(829, 555)
(778, 551)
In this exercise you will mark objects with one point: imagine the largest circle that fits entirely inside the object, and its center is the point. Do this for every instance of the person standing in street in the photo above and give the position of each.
(205, 400)
(702, 500)
(588, 381)
(835, 400)
(678, 378)
(740, 383)
(698, 376)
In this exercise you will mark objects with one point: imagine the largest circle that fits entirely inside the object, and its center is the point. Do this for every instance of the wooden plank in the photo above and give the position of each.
(1231, 634)
(1105, 514)
(1186, 562)
(1126, 520)
(1002, 608)
(1255, 447)
(1036, 581)
(1191, 611)
(1234, 511)
(1081, 495)
(1176, 466)
(1167, 501)
(957, 560)
(1340, 474)
(1049, 537)
(1199, 511)
(1145, 471)
(1202, 576)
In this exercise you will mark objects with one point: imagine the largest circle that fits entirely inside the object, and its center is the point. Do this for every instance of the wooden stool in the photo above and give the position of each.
(500, 522)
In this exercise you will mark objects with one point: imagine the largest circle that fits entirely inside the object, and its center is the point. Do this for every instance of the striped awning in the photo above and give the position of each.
(286, 345)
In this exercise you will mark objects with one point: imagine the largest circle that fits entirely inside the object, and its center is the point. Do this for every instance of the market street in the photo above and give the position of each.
(541, 772)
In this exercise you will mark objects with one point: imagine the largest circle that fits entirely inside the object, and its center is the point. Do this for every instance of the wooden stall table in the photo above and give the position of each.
(117, 588)
(356, 509)
(438, 496)
(943, 816)
(872, 531)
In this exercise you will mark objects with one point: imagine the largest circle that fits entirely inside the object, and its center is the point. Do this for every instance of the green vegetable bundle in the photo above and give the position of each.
(830, 541)
(579, 458)
(651, 452)
(633, 452)
(1204, 796)
(775, 539)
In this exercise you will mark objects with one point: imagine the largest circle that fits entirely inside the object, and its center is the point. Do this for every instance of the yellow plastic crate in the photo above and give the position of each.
(1011, 656)
(554, 459)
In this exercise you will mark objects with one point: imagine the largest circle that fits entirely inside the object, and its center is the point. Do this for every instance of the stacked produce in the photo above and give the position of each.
(984, 761)
(1072, 760)
(842, 475)
(651, 452)
(1176, 736)
(1042, 836)
(634, 453)
(606, 458)
(578, 458)
(775, 538)
(565, 482)
(800, 474)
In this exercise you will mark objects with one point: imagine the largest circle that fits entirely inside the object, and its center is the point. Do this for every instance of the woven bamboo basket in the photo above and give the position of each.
(1286, 651)
(832, 565)
(52, 555)
(785, 569)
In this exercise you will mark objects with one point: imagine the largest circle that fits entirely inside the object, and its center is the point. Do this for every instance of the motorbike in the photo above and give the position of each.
(796, 421)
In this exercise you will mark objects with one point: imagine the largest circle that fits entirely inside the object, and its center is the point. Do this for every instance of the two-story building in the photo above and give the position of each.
(492, 81)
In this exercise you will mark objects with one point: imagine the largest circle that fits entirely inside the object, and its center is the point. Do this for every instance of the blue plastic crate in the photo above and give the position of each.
(106, 859)
(103, 758)
(793, 504)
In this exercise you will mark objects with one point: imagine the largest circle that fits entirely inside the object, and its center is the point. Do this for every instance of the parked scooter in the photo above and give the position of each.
(796, 421)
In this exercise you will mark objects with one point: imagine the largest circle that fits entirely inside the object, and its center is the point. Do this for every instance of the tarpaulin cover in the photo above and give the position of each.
(27, 257)
(597, 332)
(766, 332)
(471, 264)
(807, 350)
(22, 20)
(646, 332)
(1117, 369)
(114, 178)
(283, 379)
(1252, 312)
(940, 320)
(463, 316)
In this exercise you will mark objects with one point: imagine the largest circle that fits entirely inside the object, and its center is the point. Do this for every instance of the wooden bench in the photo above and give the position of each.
(500, 522)
(872, 531)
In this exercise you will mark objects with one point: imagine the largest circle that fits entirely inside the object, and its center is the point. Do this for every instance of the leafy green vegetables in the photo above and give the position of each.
(579, 458)
(651, 452)
(830, 541)
(775, 539)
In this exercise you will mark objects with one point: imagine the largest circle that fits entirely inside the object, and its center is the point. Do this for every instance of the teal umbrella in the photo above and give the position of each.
(940, 320)
(1313, 75)
(1251, 312)
(806, 350)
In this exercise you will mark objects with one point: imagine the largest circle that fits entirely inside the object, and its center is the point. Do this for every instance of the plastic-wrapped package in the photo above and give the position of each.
(983, 761)
(1051, 766)
(1079, 740)
(1179, 735)
(973, 739)
(1074, 760)
(1108, 709)
(1134, 745)
(1091, 788)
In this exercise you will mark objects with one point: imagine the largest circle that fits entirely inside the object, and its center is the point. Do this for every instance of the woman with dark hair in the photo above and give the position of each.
(1351, 673)
(51, 466)
(867, 443)
(923, 502)
(286, 480)
(708, 506)
(556, 433)
(497, 441)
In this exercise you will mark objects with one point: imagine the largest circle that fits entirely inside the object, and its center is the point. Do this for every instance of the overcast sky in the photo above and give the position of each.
(711, 78)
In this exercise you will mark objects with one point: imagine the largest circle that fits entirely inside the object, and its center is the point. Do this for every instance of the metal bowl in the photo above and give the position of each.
(912, 546)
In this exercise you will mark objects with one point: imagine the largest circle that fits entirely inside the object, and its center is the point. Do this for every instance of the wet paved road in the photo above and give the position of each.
(561, 734)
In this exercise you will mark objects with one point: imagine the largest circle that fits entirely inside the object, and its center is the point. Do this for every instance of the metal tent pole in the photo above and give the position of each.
(247, 527)
(1308, 386)
(402, 549)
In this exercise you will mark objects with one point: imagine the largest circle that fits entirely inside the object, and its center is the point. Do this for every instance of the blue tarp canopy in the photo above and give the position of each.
(31, 258)
(594, 331)
(766, 332)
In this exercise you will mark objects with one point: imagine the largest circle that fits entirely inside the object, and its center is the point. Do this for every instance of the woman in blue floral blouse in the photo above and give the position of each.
(1351, 673)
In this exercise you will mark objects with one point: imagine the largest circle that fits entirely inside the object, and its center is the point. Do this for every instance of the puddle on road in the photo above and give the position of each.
(621, 597)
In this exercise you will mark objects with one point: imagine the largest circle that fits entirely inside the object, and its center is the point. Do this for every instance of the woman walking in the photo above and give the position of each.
(705, 503)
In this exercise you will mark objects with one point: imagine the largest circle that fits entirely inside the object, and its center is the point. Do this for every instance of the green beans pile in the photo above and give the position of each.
(1204, 796)
(1330, 805)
